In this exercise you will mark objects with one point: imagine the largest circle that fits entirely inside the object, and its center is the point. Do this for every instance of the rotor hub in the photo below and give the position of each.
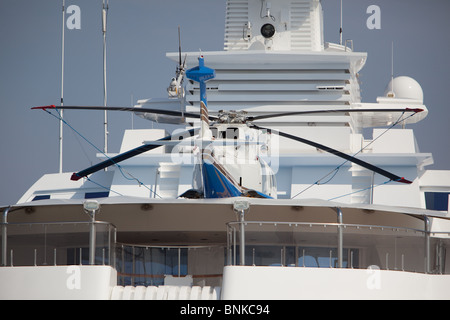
(232, 116)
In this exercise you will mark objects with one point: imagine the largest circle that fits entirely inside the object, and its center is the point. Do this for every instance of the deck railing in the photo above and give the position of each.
(259, 243)
(336, 245)
(59, 243)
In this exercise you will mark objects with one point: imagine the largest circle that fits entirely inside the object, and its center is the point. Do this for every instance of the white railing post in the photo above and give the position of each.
(5, 236)
(427, 244)
(340, 248)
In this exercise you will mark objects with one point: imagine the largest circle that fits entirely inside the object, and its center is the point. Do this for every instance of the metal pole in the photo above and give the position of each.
(340, 249)
(62, 92)
(109, 245)
(104, 14)
(228, 245)
(179, 262)
(92, 239)
(427, 244)
(242, 238)
(372, 181)
(341, 29)
(5, 236)
(240, 207)
(234, 246)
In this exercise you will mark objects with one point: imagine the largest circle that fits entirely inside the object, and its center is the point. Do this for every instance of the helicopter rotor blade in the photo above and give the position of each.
(127, 155)
(129, 109)
(296, 113)
(347, 157)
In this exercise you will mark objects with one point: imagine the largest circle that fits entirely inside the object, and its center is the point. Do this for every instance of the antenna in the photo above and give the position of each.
(340, 29)
(392, 67)
(391, 93)
(132, 114)
(175, 88)
(104, 15)
(62, 92)
(179, 46)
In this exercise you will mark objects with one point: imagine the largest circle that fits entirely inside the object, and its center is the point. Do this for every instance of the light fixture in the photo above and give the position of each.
(241, 205)
(91, 205)
(268, 30)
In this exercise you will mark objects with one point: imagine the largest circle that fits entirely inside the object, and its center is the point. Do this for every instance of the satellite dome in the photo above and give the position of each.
(404, 88)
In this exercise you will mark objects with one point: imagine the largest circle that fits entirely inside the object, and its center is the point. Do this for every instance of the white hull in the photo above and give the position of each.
(239, 283)
(272, 283)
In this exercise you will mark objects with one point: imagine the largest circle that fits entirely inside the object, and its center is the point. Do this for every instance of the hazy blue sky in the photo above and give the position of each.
(140, 32)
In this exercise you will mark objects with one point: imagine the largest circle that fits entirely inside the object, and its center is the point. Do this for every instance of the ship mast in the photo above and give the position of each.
(62, 92)
(104, 14)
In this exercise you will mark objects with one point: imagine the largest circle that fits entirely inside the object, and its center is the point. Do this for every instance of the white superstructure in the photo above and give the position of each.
(331, 229)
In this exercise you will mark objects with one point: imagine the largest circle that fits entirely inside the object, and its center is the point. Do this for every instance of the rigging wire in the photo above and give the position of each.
(102, 186)
(335, 170)
(121, 169)
(77, 138)
(362, 190)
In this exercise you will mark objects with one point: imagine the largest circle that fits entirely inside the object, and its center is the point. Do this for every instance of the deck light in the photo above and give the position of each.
(241, 205)
(91, 205)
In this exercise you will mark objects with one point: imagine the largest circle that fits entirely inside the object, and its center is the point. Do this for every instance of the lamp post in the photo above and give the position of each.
(91, 207)
(241, 207)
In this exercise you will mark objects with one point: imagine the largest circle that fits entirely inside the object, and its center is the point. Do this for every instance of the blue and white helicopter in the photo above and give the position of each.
(229, 146)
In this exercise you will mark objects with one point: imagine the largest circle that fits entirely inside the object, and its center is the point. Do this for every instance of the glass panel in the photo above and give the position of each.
(56, 243)
(316, 245)
(150, 265)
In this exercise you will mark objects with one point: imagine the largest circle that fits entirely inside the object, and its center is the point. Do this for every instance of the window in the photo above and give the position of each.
(43, 197)
(437, 200)
(93, 195)
(148, 266)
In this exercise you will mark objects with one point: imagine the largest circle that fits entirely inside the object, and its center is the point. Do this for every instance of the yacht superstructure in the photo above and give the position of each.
(327, 228)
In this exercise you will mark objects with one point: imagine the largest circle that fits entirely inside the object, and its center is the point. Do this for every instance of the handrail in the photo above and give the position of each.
(345, 225)
(46, 230)
(120, 244)
(56, 223)
(394, 238)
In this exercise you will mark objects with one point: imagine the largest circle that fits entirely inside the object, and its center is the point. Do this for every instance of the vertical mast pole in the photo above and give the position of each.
(104, 14)
(341, 30)
(392, 66)
(62, 92)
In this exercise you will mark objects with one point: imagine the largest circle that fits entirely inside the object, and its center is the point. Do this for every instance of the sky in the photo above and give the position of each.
(139, 34)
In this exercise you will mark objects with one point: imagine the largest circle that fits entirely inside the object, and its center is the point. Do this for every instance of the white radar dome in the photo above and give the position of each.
(404, 88)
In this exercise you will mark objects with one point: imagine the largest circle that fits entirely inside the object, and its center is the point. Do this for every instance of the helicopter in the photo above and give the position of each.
(229, 147)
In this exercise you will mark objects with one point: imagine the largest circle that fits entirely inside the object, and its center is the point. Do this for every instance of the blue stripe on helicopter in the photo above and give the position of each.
(216, 185)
